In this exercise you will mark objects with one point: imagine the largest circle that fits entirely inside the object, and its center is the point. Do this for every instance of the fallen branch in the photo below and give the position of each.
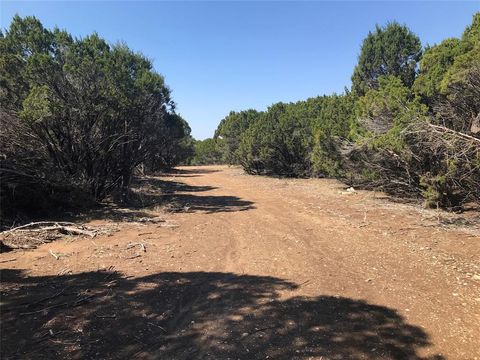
(113, 316)
(48, 335)
(75, 303)
(64, 229)
(142, 246)
(36, 224)
(17, 246)
(158, 326)
(47, 298)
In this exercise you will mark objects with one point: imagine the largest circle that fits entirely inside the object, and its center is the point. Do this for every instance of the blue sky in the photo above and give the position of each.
(222, 56)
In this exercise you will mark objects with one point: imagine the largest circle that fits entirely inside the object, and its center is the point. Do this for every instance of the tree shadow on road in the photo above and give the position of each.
(186, 172)
(207, 204)
(149, 192)
(194, 315)
(181, 197)
(189, 171)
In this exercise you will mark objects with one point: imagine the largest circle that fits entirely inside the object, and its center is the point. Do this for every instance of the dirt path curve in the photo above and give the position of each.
(252, 268)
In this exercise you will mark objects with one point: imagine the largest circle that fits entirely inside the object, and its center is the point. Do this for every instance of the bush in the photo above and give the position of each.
(278, 143)
(84, 114)
(207, 152)
(230, 130)
(410, 137)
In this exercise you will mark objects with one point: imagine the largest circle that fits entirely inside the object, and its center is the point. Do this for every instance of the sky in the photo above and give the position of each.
(236, 55)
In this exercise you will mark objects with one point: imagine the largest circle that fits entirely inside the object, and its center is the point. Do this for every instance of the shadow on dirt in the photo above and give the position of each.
(192, 171)
(149, 192)
(196, 315)
(145, 195)
(184, 173)
(207, 204)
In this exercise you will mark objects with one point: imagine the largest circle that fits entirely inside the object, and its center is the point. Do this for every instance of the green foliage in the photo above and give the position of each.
(326, 160)
(385, 112)
(230, 131)
(390, 50)
(279, 142)
(471, 35)
(455, 176)
(449, 63)
(25, 38)
(434, 65)
(334, 120)
(449, 79)
(94, 112)
(297, 139)
(407, 153)
(461, 68)
(174, 146)
(334, 114)
(84, 113)
(207, 152)
(382, 134)
(37, 104)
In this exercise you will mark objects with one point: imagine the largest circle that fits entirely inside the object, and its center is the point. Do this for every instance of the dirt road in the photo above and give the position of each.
(250, 268)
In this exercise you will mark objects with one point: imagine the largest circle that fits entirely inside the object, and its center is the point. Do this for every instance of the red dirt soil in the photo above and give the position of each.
(250, 267)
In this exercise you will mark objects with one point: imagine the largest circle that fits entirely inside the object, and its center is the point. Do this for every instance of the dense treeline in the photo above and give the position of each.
(207, 152)
(410, 124)
(79, 116)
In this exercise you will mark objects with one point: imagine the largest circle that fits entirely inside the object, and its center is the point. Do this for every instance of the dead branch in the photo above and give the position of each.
(47, 298)
(142, 246)
(113, 316)
(158, 326)
(19, 246)
(64, 229)
(444, 129)
(54, 255)
(73, 304)
(33, 224)
(67, 230)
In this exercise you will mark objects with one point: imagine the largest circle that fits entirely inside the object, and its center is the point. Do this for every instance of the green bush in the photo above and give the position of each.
(207, 152)
(383, 134)
(82, 113)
